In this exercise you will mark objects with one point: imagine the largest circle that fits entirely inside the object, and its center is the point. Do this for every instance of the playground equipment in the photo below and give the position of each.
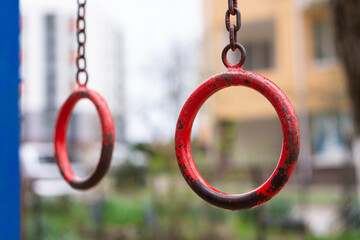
(236, 76)
(106, 120)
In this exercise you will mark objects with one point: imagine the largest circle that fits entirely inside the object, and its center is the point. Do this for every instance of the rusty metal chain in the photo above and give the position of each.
(232, 5)
(81, 40)
(233, 28)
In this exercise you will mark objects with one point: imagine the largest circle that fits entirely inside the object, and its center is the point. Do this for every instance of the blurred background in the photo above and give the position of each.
(145, 58)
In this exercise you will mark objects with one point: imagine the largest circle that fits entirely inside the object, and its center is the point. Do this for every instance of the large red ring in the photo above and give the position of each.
(108, 138)
(290, 148)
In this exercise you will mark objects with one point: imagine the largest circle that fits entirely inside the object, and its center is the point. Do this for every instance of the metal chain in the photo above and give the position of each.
(81, 40)
(232, 5)
(233, 29)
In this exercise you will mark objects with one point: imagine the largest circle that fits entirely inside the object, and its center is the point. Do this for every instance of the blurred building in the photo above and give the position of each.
(291, 42)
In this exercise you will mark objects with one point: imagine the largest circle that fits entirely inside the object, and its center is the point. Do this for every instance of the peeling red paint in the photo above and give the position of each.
(108, 138)
(235, 76)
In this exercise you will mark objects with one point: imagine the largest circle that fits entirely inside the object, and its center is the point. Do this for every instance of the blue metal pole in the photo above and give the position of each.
(10, 220)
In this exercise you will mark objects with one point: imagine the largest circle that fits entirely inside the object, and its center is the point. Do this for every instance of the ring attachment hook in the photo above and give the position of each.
(242, 58)
(78, 74)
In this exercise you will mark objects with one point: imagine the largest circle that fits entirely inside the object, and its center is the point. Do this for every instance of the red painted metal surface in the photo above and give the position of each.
(108, 138)
(235, 76)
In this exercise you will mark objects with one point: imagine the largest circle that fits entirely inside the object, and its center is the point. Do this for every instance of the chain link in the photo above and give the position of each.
(81, 40)
(233, 37)
(232, 5)
(233, 29)
(238, 19)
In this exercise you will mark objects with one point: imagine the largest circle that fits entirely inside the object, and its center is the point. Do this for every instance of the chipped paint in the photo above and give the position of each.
(108, 139)
(235, 76)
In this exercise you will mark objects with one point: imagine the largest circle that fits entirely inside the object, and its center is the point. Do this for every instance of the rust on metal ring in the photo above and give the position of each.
(290, 147)
(108, 138)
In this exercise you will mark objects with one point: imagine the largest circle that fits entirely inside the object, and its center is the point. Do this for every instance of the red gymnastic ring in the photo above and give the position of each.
(108, 138)
(290, 149)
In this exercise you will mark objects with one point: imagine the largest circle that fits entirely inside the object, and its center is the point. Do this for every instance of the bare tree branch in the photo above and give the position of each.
(347, 31)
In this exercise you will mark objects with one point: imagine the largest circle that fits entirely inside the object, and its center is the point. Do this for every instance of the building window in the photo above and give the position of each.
(258, 55)
(258, 38)
(50, 61)
(331, 136)
(323, 39)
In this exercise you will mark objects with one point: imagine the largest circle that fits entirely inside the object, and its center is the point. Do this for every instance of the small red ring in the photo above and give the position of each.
(108, 138)
(290, 147)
